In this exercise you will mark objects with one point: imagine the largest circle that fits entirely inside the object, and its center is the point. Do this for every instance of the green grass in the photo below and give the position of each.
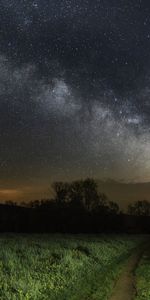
(61, 267)
(143, 277)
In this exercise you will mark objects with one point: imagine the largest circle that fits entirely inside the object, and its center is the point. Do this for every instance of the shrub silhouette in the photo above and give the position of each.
(139, 208)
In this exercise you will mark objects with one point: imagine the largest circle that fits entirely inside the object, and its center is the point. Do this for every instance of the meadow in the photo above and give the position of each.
(62, 267)
(143, 276)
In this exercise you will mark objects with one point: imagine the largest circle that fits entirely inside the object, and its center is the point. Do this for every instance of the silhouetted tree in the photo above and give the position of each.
(139, 208)
(113, 208)
(81, 193)
(11, 203)
(35, 203)
(90, 194)
(62, 191)
(76, 193)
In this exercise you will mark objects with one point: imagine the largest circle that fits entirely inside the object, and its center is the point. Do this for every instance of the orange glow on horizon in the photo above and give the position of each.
(10, 194)
(24, 193)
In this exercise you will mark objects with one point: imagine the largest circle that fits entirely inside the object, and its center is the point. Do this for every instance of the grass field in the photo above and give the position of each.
(143, 277)
(61, 267)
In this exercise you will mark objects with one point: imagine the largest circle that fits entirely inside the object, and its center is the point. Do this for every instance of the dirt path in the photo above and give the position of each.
(125, 286)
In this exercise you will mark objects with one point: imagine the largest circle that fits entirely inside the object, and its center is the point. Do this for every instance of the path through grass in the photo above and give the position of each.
(66, 267)
(143, 276)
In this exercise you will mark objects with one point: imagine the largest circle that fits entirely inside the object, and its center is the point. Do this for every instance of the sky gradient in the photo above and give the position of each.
(74, 93)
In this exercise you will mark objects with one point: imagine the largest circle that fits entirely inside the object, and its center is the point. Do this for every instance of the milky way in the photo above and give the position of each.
(74, 91)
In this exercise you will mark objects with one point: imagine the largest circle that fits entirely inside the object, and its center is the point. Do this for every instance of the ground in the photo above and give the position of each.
(66, 267)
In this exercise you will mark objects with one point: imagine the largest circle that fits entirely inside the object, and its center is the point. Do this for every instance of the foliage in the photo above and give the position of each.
(84, 194)
(139, 208)
(143, 277)
(54, 267)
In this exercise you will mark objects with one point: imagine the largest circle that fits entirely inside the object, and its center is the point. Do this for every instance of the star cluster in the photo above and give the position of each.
(74, 90)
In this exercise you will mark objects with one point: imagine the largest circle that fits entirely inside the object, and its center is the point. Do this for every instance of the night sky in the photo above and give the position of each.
(74, 93)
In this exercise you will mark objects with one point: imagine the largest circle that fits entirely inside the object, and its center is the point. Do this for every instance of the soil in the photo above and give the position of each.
(125, 286)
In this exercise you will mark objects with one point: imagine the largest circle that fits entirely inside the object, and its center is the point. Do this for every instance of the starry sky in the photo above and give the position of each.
(74, 93)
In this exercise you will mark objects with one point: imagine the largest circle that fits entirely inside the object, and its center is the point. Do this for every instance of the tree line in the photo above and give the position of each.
(85, 195)
(80, 194)
(76, 206)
